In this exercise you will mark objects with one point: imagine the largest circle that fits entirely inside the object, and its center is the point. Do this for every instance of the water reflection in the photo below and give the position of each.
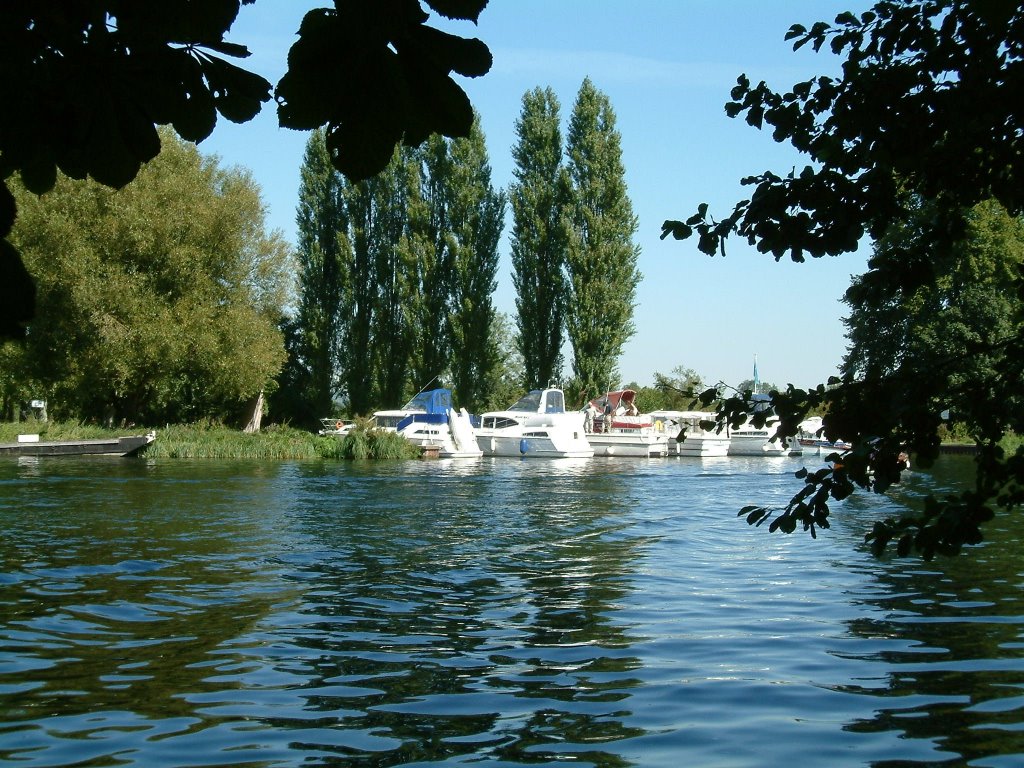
(477, 622)
(944, 642)
(608, 613)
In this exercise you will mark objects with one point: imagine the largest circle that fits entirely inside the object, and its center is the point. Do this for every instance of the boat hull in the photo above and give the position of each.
(761, 445)
(700, 447)
(533, 447)
(451, 436)
(623, 444)
(116, 446)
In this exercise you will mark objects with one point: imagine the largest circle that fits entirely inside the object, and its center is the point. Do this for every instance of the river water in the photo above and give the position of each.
(608, 612)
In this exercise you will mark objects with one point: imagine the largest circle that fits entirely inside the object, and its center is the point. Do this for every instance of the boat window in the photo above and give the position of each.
(499, 422)
(555, 402)
(387, 422)
(528, 402)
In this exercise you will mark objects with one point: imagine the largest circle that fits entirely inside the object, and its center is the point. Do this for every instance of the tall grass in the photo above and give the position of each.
(209, 441)
(212, 442)
(364, 443)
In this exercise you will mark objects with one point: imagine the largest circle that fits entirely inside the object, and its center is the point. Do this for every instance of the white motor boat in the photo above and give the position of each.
(335, 427)
(537, 425)
(615, 427)
(748, 440)
(687, 436)
(429, 420)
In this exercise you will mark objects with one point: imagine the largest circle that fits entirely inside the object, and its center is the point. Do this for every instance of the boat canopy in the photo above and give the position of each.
(431, 401)
(612, 401)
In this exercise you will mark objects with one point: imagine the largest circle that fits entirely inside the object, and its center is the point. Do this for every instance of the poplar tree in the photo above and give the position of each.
(430, 261)
(476, 216)
(384, 345)
(320, 218)
(601, 258)
(539, 237)
(374, 348)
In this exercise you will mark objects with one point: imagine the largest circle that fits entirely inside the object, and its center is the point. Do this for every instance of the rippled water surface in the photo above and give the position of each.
(504, 612)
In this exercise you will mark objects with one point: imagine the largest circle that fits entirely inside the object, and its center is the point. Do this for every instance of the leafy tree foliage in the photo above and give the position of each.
(387, 298)
(538, 196)
(677, 389)
(601, 258)
(162, 300)
(87, 82)
(509, 374)
(955, 328)
(431, 262)
(373, 333)
(926, 116)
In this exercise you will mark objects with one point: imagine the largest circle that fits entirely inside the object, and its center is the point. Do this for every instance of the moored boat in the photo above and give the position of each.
(751, 440)
(688, 436)
(430, 421)
(536, 425)
(31, 445)
(334, 427)
(615, 427)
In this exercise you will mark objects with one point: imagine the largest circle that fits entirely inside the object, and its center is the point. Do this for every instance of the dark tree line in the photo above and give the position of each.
(397, 274)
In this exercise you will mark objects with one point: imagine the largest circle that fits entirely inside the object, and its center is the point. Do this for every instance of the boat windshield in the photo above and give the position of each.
(555, 402)
(528, 402)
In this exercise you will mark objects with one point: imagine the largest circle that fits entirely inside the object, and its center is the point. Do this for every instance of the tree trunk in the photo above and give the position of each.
(255, 414)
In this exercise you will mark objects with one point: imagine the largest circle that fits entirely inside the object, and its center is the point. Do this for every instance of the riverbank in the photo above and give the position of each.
(207, 441)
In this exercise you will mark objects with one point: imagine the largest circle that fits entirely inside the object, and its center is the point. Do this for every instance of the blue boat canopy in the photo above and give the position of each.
(431, 401)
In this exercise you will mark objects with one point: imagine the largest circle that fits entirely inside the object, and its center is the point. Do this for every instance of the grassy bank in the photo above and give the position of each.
(207, 441)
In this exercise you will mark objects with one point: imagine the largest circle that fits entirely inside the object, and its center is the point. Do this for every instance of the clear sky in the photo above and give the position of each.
(667, 67)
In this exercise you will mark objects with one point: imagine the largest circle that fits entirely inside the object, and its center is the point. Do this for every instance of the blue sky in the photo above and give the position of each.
(667, 67)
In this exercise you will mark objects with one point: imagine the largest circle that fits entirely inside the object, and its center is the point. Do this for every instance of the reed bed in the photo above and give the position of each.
(209, 441)
(216, 442)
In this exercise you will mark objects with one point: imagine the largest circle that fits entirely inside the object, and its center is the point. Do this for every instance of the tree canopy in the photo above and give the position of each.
(159, 301)
(928, 111)
(86, 83)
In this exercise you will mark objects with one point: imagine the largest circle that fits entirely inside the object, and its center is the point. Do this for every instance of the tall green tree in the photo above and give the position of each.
(954, 329)
(160, 300)
(318, 316)
(678, 388)
(381, 232)
(601, 258)
(374, 350)
(431, 261)
(509, 374)
(539, 237)
(476, 219)
(887, 135)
